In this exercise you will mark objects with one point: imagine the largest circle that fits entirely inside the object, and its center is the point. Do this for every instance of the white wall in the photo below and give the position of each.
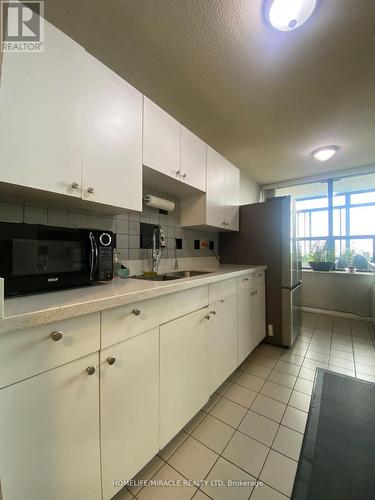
(338, 291)
(249, 189)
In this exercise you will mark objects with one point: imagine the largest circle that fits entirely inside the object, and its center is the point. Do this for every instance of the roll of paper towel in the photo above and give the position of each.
(155, 202)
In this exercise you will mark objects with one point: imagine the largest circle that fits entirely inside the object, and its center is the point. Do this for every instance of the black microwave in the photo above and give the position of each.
(36, 257)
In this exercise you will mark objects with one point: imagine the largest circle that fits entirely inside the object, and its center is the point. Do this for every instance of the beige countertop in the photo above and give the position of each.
(37, 309)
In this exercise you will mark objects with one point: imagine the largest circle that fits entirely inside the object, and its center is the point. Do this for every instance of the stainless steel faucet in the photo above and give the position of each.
(158, 242)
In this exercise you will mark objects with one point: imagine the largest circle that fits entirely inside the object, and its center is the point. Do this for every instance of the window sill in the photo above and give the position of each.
(341, 273)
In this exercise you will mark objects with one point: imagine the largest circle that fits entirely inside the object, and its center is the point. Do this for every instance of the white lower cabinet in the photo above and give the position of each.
(251, 320)
(49, 435)
(184, 381)
(223, 341)
(129, 407)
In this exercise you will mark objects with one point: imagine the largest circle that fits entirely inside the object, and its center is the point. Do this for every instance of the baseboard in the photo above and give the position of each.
(340, 314)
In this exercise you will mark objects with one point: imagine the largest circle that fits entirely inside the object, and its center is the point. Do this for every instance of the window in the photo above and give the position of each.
(339, 213)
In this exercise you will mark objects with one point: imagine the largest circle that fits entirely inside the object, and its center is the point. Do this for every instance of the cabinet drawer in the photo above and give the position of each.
(245, 282)
(27, 352)
(258, 278)
(222, 289)
(127, 321)
(178, 304)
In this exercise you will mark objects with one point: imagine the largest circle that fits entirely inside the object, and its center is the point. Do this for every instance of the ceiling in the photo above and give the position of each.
(264, 99)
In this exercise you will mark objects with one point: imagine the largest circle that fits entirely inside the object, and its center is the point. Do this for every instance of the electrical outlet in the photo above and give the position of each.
(270, 330)
(205, 244)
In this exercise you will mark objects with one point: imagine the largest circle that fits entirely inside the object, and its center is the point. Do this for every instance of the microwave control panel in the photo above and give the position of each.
(105, 264)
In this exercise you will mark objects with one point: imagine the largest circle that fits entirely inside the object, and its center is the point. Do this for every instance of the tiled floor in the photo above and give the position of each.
(252, 427)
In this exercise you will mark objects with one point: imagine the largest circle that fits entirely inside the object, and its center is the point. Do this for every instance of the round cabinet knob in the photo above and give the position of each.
(136, 311)
(213, 313)
(91, 370)
(246, 279)
(184, 175)
(57, 335)
(111, 360)
(75, 185)
(178, 172)
(222, 301)
(90, 190)
(208, 316)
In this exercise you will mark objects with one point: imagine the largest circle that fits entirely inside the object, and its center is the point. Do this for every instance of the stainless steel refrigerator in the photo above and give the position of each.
(267, 236)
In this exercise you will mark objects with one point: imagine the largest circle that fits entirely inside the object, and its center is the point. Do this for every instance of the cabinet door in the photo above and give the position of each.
(129, 390)
(49, 435)
(259, 314)
(41, 116)
(184, 382)
(193, 160)
(215, 197)
(112, 139)
(223, 340)
(245, 325)
(161, 140)
(232, 196)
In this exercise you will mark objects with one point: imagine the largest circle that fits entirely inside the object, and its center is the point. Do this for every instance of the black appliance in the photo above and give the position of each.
(36, 257)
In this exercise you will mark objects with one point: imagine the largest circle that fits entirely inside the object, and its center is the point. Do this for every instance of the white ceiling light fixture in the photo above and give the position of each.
(325, 153)
(288, 15)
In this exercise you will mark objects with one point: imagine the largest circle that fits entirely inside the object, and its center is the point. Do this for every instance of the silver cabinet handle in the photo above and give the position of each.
(137, 311)
(111, 360)
(213, 312)
(208, 316)
(75, 185)
(57, 335)
(222, 301)
(178, 172)
(91, 370)
(90, 190)
(184, 175)
(246, 279)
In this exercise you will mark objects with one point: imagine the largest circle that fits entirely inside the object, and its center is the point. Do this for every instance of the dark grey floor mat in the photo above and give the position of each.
(337, 459)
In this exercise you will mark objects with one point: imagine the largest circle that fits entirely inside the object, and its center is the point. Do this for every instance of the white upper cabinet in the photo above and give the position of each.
(40, 116)
(193, 160)
(112, 139)
(161, 140)
(219, 207)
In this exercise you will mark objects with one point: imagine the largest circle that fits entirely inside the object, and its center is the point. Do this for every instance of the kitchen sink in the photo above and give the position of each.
(173, 275)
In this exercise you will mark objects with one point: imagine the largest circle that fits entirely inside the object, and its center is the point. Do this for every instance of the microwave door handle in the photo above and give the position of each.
(93, 256)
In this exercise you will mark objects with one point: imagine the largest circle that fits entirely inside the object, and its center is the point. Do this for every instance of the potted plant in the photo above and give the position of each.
(347, 261)
(322, 258)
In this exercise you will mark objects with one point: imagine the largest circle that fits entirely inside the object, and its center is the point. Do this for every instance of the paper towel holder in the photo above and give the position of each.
(159, 203)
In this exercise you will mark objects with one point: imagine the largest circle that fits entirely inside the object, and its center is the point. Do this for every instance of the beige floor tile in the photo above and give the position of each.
(223, 388)
(201, 496)
(318, 356)
(193, 460)
(229, 412)
(292, 358)
(282, 366)
(365, 369)
(270, 351)
(282, 378)
(258, 427)
(258, 370)
(279, 472)
(266, 493)
(276, 391)
(124, 494)
(319, 348)
(304, 386)
(312, 364)
(196, 420)
(295, 419)
(241, 395)
(147, 472)
(268, 407)
(225, 471)
(336, 353)
(343, 371)
(288, 442)
(213, 433)
(246, 453)
(166, 473)
(234, 377)
(298, 351)
(342, 347)
(212, 402)
(368, 378)
(251, 382)
(342, 363)
(307, 374)
(365, 360)
(172, 446)
(300, 401)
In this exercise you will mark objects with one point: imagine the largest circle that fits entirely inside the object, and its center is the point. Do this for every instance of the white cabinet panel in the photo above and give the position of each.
(223, 340)
(258, 312)
(129, 407)
(27, 352)
(222, 289)
(49, 435)
(215, 197)
(184, 372)
(193, 160)
(112, 139)
(178, 304)
(161, 140)
(232, 196)
(41, 116)
(245, 327)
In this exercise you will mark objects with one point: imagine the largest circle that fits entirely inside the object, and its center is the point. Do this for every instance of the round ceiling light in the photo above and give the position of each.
(325, 153)
(288, 15)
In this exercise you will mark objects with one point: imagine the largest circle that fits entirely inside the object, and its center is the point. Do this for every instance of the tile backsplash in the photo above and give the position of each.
(126, 226)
